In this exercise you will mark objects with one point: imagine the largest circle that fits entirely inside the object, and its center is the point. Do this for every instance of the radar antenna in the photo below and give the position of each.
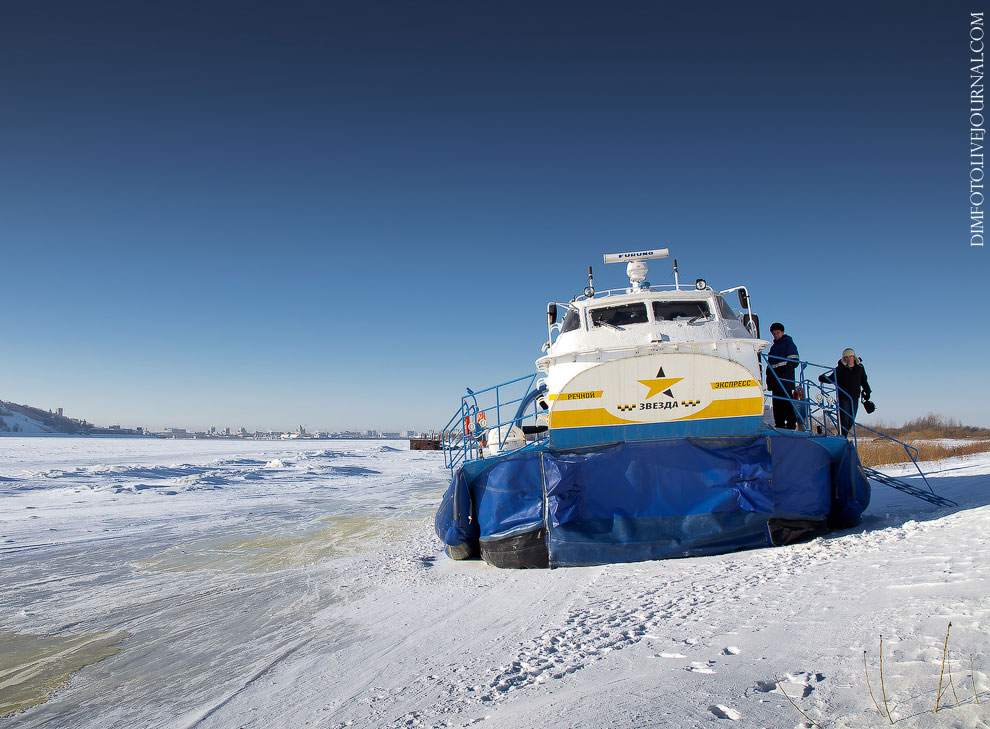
(636, 268)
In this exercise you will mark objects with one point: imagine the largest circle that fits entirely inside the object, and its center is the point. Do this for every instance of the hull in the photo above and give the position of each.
(651, 499)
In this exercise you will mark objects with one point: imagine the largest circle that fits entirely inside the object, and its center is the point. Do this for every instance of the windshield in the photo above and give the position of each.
(619, 316)
(674, 310)
(571, 321)
(725, 310)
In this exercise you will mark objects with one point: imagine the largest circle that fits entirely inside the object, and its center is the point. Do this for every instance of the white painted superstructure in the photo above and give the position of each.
(609, 345)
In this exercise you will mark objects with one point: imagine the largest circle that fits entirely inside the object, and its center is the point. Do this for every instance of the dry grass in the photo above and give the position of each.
(879, 452)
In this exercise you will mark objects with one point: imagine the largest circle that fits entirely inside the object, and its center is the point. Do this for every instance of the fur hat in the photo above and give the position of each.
(776, 326)
(848, 351)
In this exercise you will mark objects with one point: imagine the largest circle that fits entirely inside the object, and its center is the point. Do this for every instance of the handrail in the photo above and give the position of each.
(831, 409)
(806, 408)
(936, 499)
(605, 293)
(664, 346)
(466, 434)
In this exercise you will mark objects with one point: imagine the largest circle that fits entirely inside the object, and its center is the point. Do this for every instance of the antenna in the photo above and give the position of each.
(637, 255)
(589, 290)
(636, 268)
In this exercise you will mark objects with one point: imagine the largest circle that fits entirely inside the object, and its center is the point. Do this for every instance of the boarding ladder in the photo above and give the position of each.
(817, 405)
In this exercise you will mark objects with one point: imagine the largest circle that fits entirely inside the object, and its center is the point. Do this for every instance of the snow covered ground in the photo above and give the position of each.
(291, 584)
(17, 424)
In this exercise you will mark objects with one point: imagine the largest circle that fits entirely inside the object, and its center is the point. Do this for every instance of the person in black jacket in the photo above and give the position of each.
(850, 377)
(782, 362)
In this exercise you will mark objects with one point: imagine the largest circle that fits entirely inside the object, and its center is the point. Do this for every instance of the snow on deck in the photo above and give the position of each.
(287, 584)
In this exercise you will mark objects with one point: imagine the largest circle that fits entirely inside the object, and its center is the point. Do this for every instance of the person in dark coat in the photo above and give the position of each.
(783, 361)
(850, 377)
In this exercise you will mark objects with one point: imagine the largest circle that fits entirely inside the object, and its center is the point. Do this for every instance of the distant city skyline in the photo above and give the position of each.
(18, 418)
(228, 431)
(342, 215)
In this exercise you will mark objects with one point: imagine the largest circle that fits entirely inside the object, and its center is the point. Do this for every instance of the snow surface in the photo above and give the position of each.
(295, 584)
(24, 424)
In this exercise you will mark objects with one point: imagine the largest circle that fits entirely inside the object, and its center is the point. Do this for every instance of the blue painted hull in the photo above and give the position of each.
(564, 438)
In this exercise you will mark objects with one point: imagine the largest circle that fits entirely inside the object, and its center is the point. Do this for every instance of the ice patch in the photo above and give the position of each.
(239, 462)
(353, 471)
(261, 553)
(333, 454)
(33, 667)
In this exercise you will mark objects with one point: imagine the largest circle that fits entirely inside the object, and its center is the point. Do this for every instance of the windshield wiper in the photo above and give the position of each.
(610, 324)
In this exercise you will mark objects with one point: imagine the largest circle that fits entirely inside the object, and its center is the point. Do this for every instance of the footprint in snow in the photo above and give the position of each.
(795, 685)
(731, 651)
(724, 712)
(698, 667)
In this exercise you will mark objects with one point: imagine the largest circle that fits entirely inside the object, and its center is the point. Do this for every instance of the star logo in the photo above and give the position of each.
(659, 384)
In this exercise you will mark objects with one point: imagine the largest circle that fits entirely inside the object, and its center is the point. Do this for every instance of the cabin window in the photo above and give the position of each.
(571, 321)
(725, 310)
(680, 310)
(619, 316)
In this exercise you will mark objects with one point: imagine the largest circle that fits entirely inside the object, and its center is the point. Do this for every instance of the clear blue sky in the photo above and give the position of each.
(341, 214)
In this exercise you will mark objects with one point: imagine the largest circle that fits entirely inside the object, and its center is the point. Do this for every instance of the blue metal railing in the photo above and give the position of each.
(824, 411)
(467, 433)
(818, 407)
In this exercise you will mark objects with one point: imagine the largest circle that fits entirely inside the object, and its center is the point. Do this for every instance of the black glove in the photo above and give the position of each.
(866, 396)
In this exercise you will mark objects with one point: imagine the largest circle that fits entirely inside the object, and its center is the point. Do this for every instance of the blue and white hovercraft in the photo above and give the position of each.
(641, 436)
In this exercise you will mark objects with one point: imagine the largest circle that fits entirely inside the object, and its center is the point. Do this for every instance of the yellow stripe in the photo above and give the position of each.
(585, 418)
(733, 383)
(588, 395)
(729, 409)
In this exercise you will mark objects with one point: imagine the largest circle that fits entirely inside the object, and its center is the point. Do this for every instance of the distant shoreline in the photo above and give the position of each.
(211, 438)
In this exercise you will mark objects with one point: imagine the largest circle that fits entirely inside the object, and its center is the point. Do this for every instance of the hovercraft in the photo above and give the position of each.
(642, 436)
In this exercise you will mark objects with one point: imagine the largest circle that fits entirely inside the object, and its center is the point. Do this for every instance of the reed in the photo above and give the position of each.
(972, 677)
(883, 691)
(952, 684)
(780, 686)
(945, 650)
(868, 686)
(885, 452)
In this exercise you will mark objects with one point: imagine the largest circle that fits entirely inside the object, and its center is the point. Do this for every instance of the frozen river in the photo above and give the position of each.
(196, 564)
(180, 584)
